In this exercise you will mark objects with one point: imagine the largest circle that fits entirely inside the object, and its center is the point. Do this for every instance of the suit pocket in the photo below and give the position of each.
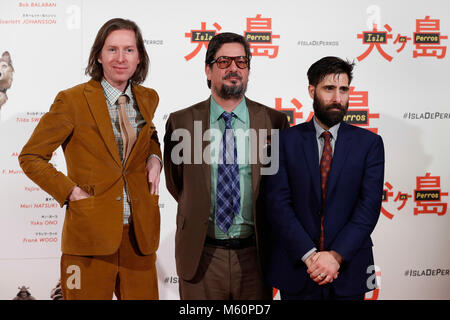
(81, 206)
(89, 188)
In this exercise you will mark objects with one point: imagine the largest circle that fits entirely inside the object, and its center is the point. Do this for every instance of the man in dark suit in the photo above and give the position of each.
(218, 245)
(325, 199)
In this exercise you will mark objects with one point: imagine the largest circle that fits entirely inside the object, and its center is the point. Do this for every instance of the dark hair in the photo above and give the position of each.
(95, 68)
(216, 43)
(329, 65)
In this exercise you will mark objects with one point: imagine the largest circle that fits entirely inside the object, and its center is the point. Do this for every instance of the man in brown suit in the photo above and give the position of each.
(218, 242)
(111, 229)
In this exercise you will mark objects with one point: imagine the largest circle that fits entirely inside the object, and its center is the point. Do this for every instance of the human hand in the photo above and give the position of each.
(78, 194)
(323, 267)
(311, 259)
(153, 169)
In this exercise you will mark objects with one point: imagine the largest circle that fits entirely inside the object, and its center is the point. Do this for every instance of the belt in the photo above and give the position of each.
(235, 243)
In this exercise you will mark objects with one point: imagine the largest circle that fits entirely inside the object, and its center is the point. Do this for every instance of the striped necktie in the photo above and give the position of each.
(325, 165)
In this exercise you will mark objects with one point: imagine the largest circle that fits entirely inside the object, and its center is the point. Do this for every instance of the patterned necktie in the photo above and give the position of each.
(126, 130)
(228, 201)
(325, 164)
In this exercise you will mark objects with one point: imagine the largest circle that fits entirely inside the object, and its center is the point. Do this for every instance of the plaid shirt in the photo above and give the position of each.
(137, 122)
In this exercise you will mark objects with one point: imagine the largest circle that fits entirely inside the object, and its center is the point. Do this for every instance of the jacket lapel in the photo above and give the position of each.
(97, 104)
(143, 104)
(341, 151)
(144, 108)
(257, 122)
(310, 150)
(201, 114)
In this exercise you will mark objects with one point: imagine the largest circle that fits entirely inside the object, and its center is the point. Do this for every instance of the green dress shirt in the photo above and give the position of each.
(243, 226)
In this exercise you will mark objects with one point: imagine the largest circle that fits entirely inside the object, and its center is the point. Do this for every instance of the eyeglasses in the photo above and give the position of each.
(224, 62)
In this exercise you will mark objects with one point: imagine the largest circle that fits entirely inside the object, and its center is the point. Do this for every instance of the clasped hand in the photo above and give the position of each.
(323, 266)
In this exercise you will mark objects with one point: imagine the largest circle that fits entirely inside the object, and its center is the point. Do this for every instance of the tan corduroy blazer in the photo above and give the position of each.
(79, 121)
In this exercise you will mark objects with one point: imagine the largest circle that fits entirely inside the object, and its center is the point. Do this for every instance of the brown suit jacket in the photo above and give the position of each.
(190, 184)
(79, 121)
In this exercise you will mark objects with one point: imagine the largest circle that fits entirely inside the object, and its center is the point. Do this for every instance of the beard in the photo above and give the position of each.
(326, 115)
(234, 91)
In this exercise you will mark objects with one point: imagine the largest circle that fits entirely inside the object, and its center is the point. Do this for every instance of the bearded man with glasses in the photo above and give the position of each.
(219, 242)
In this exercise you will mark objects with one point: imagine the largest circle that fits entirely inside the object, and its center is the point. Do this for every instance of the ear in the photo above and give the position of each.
(6, 57)
(311, 91)
(208, 71)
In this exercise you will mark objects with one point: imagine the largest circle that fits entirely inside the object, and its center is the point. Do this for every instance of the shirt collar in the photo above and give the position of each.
(216, 111)
(112, 93)
(333, 130)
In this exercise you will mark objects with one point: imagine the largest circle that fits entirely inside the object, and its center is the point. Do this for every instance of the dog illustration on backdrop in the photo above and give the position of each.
(24, 294)
(6, 76)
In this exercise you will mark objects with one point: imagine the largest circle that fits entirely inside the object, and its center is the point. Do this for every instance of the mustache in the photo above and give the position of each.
(232, 75)
(337, 106)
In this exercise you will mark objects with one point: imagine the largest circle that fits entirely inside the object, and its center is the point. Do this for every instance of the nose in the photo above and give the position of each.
(121, 56)
(233, 66)
(337, 98)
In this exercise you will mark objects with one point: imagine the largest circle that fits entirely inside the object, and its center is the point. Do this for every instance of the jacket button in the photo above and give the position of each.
(119, 198)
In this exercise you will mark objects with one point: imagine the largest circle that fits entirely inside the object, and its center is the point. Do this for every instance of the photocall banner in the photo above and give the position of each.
(400, 91)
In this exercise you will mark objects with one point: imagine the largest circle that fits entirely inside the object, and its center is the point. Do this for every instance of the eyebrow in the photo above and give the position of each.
(334, 86)
(119, 45)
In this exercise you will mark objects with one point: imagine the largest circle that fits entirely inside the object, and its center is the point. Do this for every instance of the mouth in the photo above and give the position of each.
(120, 69)
(335, 108)
(233, 82)
(233, 77)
